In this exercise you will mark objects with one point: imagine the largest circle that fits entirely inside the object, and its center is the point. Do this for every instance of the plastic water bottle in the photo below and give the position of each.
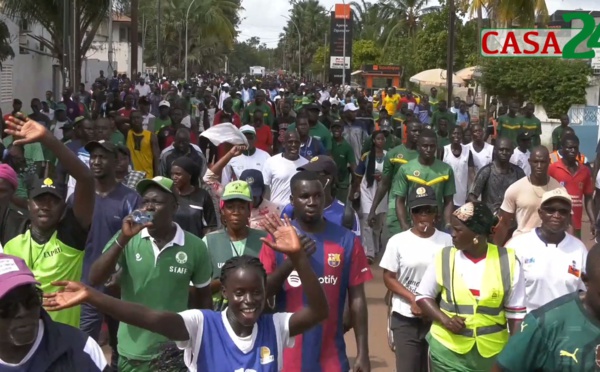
(142, 217)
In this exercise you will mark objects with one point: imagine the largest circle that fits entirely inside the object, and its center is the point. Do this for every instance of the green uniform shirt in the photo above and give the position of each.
(60, 258)
(160, 124)
(33, 153)
(437, 115)
(267, 113)
(509, 127)
(557, 135)
(221, 248)
(343, 155)
(159, 280)
(320, 132)
(413, 174)
(443, 141)
(394, 159)
(559, 336)
(532, 125)
(238, 106)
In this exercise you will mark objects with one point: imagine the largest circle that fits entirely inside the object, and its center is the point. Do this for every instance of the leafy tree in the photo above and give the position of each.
(553, 83)
(6, 50)
(251, 53)
(49, 14)
(365, 52)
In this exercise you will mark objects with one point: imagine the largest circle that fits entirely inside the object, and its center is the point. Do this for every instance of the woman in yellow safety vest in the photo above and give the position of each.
(481, 293)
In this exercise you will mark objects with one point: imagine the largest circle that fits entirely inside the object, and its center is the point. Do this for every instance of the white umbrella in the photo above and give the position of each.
(436, 77)
(468, 73)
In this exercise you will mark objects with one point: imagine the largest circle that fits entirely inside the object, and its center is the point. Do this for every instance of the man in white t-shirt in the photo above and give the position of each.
(552, 259)
(483, 152)
(521, 154)
(279, 169)
(252, 158)
(143, 89)
(406, 258)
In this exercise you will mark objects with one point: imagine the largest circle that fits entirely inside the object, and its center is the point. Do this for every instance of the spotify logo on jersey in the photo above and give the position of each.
(295, 282)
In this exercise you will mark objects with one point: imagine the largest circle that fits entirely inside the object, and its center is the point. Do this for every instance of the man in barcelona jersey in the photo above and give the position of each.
(341, 265)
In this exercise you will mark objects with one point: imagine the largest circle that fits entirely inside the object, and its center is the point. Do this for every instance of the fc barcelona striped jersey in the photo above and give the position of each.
(340, 263)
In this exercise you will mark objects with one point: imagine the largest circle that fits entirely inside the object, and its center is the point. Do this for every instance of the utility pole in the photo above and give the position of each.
(158, 16)
(66, 45)
(450, 58)
(111, 68)
(134, 37)
(344, 51)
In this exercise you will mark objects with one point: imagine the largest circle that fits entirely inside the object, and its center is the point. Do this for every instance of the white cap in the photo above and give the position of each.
(254, 87)
(208, 89)
(277, 98)
(350, 107)
(281, 90)
(225, 85)
(164, 103)
(248, 129)
(302, 84)
(558, 193)
(334, 101)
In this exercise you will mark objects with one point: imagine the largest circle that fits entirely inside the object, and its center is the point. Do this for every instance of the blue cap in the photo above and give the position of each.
(255, 179)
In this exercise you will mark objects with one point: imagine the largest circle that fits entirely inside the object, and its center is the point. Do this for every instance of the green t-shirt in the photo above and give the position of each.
(437, 115)
(443, 141)
(509, 127)
(557, 135)
(160, 282)
(221, 249)
(438, 175)
(394, 159)
(532, 125)
(559, 336)
(60, 258)
(267, 113)
(320, 132)
(160, 124)
(117, 138)
(238, 106)
(343, 155)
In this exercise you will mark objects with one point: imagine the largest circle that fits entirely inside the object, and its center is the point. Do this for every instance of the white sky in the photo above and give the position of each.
(263, 18)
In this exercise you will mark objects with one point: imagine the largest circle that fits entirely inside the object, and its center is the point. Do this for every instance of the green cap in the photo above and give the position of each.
(237, 190)
(306, 101)
(163, 182)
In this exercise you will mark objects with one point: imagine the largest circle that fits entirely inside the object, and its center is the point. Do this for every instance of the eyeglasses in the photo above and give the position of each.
(561, 211)
(9, 307)
(424, 209)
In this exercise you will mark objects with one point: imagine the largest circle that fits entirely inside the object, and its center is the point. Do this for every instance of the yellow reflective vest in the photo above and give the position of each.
(485, 319)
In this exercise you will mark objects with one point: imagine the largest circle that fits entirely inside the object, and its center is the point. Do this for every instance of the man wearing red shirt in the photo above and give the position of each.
(125, 112)
(341, 265)
(577, 179)
(226, 115)
(264, 136)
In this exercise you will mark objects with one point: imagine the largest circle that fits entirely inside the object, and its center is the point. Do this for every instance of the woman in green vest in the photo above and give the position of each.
(475, 294)
(236, 238)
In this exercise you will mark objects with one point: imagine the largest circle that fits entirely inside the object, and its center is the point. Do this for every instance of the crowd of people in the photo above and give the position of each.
(124, 222)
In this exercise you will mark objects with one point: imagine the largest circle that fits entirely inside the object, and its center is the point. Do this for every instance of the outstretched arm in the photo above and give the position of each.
(168, 324)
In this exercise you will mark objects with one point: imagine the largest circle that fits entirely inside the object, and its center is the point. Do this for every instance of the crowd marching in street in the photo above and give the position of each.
(230, 224)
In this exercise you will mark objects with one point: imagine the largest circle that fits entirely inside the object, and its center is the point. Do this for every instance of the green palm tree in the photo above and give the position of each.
(399, 18)
(367, 24)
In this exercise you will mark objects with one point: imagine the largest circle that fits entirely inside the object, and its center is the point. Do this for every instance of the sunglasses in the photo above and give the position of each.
(9, 306)
(424, 209)
(561, 211)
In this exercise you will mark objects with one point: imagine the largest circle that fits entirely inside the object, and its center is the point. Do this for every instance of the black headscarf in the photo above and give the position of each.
(190, 167)
(477, 217)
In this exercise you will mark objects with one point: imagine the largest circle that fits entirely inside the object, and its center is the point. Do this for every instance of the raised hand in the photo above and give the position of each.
(237, 150)
(24, 130)
(72, 294)
(286, 238)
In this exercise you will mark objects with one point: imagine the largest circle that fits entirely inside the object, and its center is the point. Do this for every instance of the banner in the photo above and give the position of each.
(341, 23)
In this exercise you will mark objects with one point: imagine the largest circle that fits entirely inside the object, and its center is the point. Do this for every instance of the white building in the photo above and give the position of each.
(97, 55)
(32, 72)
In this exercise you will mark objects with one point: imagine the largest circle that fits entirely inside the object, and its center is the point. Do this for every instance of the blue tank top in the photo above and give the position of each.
(218, 352)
